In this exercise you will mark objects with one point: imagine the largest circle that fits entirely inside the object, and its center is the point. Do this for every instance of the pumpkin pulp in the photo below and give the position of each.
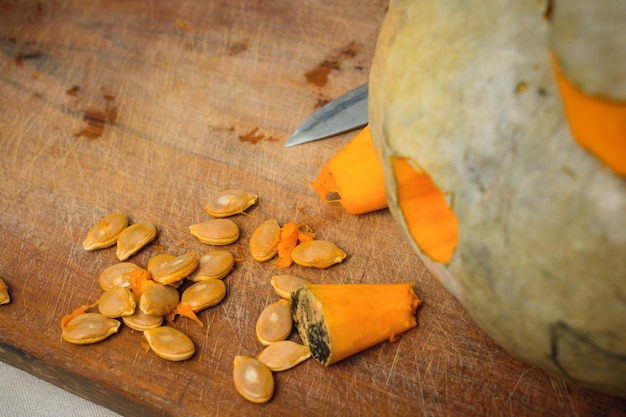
(598, 125)
(429, 220)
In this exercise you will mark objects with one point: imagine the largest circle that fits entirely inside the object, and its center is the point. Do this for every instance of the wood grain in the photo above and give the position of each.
(148, 108)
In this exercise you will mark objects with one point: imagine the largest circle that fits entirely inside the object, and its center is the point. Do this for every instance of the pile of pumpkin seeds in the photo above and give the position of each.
(144, 298)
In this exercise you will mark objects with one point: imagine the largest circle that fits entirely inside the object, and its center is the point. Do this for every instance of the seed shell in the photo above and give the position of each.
(158, 299)
(284, 285)
(117, 275)
(169, 343)
(104, 233)
(319, 254)
(157, 262)
(216, 232)
(284, 355)
(229, 202)
(176, 269)
(117, 302)
(253, 379)
(204, 294)
(89, 328)
(264, 241)
(213, 265)
(274, 322)
(133, 238)
(141, 321)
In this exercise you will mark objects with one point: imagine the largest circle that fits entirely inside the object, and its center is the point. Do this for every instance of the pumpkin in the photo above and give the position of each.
(471, 100)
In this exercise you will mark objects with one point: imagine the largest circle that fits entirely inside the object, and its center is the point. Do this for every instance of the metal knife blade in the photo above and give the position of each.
(341, 115)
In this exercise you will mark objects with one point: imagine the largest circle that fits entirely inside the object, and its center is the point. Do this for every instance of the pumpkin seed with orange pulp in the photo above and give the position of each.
(283, 355)
(133, 238)
(216, 232)
(204, 294)
(253, 379)
(317, 254)
(169, 343)
(141, 321)
(213, 265)
(284, 285)
(104, 233)
(4, 292)
(117, 302)
(274, 322)
(89, 328)
(117, 275)
(176, 269)
(158, 299)
(264, 241)
(229, 202)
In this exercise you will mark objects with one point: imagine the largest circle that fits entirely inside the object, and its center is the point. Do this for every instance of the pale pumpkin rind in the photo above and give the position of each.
(541, 258)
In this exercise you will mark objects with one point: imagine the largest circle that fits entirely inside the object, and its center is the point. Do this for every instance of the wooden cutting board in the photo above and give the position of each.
(148, 108)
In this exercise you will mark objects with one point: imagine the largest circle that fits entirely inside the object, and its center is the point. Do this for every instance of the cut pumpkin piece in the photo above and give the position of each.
(355, 175)
(429, 220)
(598, 125)
(336, 321)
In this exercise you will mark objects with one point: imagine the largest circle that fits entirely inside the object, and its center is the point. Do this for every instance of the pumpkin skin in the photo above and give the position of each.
(540, 263)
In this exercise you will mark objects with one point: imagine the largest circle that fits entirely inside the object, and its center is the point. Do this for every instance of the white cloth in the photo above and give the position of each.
(24, 395)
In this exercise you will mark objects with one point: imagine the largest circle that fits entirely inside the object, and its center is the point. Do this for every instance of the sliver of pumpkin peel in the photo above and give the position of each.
(427, 216)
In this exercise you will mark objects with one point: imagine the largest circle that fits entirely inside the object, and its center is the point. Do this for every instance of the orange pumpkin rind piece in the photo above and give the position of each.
(336, 321)
(355, 174)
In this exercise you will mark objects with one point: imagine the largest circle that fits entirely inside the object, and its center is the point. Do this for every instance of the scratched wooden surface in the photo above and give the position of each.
(147, 108)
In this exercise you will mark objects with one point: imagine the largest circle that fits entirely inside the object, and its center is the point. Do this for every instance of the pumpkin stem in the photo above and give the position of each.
(430, 222)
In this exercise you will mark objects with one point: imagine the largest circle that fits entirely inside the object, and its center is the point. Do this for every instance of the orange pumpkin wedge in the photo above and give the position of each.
(336, 321)
(355, 175)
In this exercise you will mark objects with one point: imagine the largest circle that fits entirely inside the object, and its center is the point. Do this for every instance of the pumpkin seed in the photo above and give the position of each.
(284, 285)
(264, 240)
(176, 269)
(216, 232)
(274, 322)
(4, 292)
(133, 238)
(169, 343)
(116, 302)
(104, 233)
(229, 202)
(89, 328)
(157, 262)
(158, 299)
(214, 265)
(283, 355)
(204, 294)
(253, 379)
(117, 275)
(317, 254)
(141, 321)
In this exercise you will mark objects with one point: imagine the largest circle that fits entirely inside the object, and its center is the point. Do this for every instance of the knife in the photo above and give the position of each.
(343, 114)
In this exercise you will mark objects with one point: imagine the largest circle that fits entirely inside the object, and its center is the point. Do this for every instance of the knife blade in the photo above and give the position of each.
(341, 115)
